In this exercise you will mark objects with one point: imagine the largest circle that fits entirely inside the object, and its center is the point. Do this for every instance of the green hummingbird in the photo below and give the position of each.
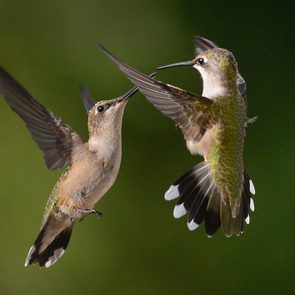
(218, 190)
(93, 165)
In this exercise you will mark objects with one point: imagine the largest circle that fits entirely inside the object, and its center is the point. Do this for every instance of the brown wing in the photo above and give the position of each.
(54, 137)
(191, 112)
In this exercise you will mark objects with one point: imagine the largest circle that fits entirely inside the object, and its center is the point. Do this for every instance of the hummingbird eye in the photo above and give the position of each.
(102, 108)
(200, 61)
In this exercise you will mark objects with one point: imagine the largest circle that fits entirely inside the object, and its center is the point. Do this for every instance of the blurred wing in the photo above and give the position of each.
(54, 137)
(87, 98)
(202, 44)
(192, 113)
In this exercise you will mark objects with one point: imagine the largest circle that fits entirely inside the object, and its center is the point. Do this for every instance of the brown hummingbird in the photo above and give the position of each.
(93, 165)
(217, 191)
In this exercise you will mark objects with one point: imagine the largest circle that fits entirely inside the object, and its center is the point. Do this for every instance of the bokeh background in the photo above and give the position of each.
(137, 247)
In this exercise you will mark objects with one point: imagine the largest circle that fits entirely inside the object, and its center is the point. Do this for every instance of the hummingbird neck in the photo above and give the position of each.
(212, 92)
(106, 144)
(106, 138)
(105, 133)
(214, 88)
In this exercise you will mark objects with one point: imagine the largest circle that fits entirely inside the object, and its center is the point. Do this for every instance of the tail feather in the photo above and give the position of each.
(229, 224)
(212, 218)
(56, 249)
(248, 193)
(51, 242)
(201, 213)
(200, 198)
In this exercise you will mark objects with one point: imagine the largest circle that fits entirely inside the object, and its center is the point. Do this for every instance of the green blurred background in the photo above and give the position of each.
(137, 247)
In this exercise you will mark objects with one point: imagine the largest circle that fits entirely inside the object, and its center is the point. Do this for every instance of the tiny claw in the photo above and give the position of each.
(89, 211)
(97, 213)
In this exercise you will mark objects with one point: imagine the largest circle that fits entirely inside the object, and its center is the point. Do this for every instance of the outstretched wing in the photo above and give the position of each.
(191, 112)
(54, 137)
(202, 44)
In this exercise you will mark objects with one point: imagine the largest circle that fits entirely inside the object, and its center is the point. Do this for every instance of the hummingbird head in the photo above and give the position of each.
(105, 123)
(105, 120)
(216, 64)
(218, 69)
(106, 116)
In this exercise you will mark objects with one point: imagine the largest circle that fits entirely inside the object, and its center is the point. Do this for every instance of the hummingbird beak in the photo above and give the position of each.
(128, 94)
(178, 64)
(132, 91)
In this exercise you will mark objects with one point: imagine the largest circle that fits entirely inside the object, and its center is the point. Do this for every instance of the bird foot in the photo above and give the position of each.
(89, 211)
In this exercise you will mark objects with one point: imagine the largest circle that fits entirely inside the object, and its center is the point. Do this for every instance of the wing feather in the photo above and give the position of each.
(190, 111)
(54, 137)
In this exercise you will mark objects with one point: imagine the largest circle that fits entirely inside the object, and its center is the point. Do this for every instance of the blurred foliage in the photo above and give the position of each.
(137, 247)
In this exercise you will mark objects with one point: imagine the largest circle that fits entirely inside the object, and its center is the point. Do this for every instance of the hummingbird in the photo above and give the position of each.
(217, 191)
(93, 165)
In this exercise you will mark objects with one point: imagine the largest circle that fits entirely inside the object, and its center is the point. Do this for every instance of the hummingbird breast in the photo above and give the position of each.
(87, 180)
(205, 144)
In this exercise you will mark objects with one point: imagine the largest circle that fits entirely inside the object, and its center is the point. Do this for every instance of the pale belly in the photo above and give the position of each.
(86, 184)
(203, 146)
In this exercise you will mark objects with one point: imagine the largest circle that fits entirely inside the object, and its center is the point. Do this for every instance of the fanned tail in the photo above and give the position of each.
(51, 242)
(201, 199)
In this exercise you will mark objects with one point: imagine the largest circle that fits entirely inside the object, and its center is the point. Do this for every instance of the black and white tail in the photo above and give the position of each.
(200, 198)
(51, 242)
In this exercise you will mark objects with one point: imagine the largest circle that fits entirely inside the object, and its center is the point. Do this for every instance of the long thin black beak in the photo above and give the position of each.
(177, 64)
(128, 94)
(133, 90)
